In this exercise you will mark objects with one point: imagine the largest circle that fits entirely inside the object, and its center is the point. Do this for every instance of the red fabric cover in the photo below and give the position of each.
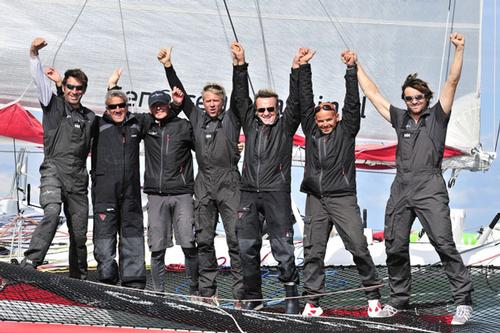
(17, 123)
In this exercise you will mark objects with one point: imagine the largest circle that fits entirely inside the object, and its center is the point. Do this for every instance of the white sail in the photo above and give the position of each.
(393, 39)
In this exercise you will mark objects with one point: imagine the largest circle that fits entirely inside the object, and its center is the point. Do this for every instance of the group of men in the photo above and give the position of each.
(261, 194)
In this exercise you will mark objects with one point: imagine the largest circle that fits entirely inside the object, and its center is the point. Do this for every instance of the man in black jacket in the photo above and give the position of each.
(168, 181)
(67, 127)
(217, 184)
(265, 182)
(116, 194)
(330, 184)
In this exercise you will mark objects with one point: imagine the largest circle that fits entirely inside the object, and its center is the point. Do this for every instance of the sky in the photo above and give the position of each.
(475, 192)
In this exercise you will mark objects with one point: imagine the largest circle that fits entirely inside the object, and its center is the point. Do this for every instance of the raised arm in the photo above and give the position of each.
(351, 117)
(41, 81)
(371, 91)
(306, 95)
(114, 78)
(241, 104)
(450, 86)
(292, 112)
(165, 57)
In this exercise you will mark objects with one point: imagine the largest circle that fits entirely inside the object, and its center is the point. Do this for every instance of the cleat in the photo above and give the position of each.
(312, 311)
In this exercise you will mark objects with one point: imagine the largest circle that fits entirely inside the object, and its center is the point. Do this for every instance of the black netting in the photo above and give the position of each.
(28, 295)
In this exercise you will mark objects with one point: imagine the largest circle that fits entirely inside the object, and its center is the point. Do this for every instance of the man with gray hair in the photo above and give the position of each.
(216, 189)
(116, 194)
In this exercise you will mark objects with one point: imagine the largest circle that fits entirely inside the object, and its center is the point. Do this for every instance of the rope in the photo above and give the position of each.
(270, 80)
(445, 42)
(236, 38)
(68, 32)
(125, 48)
(494, 71)
(334, 25)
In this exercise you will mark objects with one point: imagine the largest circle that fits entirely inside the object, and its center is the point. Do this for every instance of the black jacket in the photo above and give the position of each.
(115, 161)
(168, 160)
(268, 149)
(330, 161)
(215, 139)
(67, 134)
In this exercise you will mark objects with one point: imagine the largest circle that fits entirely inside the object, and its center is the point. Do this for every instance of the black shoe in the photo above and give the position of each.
(28, 264)
(291, 304)
(253, 305)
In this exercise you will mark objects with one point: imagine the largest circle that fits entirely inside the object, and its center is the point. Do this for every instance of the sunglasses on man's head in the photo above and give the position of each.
(269, 109)
(116, 106)
(416, 98)
(71, 87)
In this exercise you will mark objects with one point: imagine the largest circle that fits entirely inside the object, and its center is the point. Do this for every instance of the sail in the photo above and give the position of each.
(392, 38)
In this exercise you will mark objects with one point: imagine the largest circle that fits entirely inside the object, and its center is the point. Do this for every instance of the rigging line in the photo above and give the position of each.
(451, 29)
(495, 70)
(236, 38)
(68, 32)
(444, 46)
(228, 42)
(126, 50)
(334, 25)
(270, 80)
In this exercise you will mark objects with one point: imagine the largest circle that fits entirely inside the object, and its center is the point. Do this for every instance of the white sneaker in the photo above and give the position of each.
(387, 311)
(312, 311)
(462, 315)
(374, 308)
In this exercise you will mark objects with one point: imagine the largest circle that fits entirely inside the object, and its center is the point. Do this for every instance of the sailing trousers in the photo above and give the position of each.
(168, 215)
(123, 220)
(321, 215)
(277, 211)
(53, 197)
(424, 197)
(214, 196)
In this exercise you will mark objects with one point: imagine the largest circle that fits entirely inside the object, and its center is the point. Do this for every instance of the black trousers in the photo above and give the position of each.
(216, 194)
(123, 220)
(276, 209)
(53, 197)
(321, 215)
(425, 197)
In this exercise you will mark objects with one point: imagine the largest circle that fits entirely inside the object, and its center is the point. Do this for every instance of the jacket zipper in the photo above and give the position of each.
(161, 161)
(258, 156)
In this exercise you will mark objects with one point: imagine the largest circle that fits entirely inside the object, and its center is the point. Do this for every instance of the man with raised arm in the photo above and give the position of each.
(168, 182)
(419, 189)
(330, 184)
(217, 184)
(265, 188)
(67, 127)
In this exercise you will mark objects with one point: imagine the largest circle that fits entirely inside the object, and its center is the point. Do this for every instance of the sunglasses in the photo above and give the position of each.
(326, 107)
(269, 109)
(417, 98)
(116, 106)
(71, 87)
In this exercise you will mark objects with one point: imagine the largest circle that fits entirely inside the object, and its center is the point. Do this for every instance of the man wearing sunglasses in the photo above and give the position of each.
(217, 184)
(67, 127)
(330, 184)
(419, 189)
(168, 182)
(265, 188)
(116, 194)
